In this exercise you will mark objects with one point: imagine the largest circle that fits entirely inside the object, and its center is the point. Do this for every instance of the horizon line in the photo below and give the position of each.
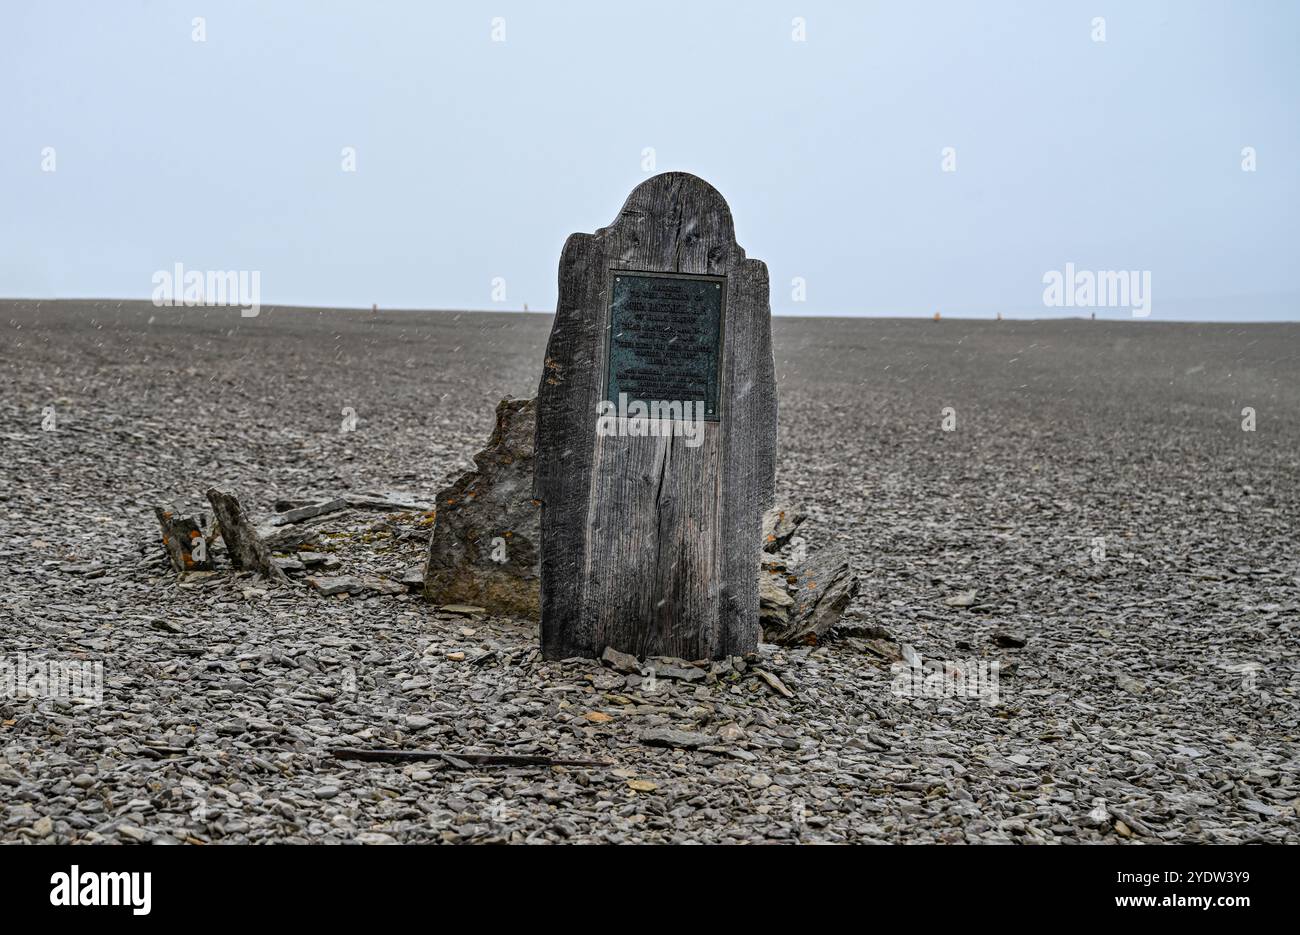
(1118, 315)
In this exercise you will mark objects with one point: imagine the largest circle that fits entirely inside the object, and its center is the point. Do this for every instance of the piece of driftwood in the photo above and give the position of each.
(457, 758)
(183, 538)
(649, 545)
(244, 546)
(307, 511)
(386, 503)
(379, 501)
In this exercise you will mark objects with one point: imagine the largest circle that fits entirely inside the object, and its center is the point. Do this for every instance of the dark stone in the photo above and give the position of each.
(667, 737)
(825, 586)
(779, 525)
(484, 547)
(620, 662)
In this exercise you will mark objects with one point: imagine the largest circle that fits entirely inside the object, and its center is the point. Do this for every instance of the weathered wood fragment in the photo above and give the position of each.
(386, 502)
(378, 501)
(183, 538)
(307, 511)
(459, 759)
(246, 549)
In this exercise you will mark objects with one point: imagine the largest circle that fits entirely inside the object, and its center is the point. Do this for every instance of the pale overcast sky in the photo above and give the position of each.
(476, 158)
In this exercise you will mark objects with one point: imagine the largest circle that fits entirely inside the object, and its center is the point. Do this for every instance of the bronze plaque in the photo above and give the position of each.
(665, 340)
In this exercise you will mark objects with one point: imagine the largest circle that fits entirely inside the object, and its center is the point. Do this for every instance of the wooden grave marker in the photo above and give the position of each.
(651, 522)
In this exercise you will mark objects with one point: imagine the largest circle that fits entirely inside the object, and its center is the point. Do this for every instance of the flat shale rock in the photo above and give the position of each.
(285, 538)
(774, 600)
(779, 525)
(620, 662)
(378, 584)
(683, 739)
(466, 610)
(825, 588)
(353, 584)
(338, 584)
(483, 550)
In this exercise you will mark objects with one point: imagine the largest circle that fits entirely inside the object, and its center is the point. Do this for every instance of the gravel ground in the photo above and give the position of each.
(1097, 524)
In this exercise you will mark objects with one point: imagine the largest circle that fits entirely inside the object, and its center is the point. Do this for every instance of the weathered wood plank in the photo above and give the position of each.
(184, 541)
(244, 546)
(650, 545)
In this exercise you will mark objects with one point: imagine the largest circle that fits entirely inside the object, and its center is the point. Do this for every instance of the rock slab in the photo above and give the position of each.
(484, 546)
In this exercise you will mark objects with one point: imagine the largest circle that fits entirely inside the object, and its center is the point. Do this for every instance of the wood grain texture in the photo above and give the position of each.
(244, 546)
(648, 545)
(180, 534)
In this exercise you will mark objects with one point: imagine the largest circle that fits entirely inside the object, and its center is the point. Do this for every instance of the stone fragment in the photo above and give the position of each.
(825, 588)
(484, 547)
(377, 584)
(774, 602)
(668, 737)
(962, 599)
(779, 525)
(774, 683)
(620, 662)
(340, 584)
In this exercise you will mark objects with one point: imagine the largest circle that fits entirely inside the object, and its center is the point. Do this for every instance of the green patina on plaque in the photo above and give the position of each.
(665, 341)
